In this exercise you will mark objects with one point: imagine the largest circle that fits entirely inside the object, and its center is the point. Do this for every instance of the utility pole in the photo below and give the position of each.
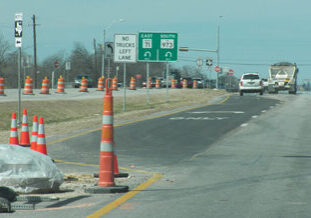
(34, 50)
(95, 55)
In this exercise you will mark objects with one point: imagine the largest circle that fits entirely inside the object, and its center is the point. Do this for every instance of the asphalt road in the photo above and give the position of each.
(246, 157)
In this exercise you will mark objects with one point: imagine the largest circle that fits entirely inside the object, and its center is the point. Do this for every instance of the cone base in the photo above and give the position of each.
(116, 175)
(121, 175)
(25, 146)
(102, 190)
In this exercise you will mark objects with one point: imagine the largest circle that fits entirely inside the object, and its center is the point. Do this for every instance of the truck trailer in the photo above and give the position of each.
(283, 76)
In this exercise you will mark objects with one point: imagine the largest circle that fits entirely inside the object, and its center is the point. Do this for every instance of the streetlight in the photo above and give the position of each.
(104, 41)
(209, 50)
(217, 48)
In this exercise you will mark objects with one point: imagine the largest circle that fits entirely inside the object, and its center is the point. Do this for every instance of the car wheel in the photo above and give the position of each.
(261, 93)
(241, 93)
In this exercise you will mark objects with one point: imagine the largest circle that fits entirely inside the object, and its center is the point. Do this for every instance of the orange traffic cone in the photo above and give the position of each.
(173, 84)
(133, 83)
(100, 84)
(28, 86)
(115, 84)
(195, 84)
(45, 86)
(13, 132)
(41, 144)
(25, 131)
(83, 86)
(106, 177)
(2, 87)
(106, 160)
(117, 174)
(60, 85)
(34, 133)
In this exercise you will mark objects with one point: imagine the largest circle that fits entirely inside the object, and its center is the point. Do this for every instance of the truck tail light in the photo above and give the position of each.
(241, 83)
(260, 83)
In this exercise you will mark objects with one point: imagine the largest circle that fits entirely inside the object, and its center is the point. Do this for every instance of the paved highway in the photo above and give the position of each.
(246, 157)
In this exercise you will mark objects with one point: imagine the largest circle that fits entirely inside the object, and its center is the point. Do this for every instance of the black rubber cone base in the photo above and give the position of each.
(119, 175)
(104, 190)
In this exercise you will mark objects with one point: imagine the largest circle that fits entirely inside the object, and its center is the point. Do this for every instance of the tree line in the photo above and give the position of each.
(82, 62)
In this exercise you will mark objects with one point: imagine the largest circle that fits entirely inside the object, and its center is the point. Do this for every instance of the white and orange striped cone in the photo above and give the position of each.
(106, 182)
(13, 132)
(173, 84)
(133, 83)
(28, 86)
(60, 85)
(84, 85)
(41, 143)
(184, 84)
(34, 133)
(100, 84)
(24, 140)
(158, 84)
(195, 84)
(114, 84)
(2, 86)
(45, 89)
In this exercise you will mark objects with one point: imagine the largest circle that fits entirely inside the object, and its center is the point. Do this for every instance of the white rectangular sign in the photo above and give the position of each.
(125, 48)
(18, 29)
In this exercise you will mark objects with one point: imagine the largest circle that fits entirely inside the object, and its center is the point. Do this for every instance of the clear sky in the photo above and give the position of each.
(251, 31)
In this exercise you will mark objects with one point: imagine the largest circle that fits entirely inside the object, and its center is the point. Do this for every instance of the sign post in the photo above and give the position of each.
(18, 32)
(125, 51)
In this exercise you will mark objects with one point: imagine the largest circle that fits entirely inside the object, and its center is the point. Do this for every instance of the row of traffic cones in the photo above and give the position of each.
(38, 142)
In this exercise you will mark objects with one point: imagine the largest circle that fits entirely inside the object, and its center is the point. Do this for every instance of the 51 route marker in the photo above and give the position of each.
(157, 46)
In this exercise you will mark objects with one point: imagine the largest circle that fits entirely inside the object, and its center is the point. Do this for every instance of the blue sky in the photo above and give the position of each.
(251, 31)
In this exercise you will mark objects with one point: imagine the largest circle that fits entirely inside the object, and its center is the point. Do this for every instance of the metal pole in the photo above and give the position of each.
(53, 80)
(147, 84)
(19, 85)
(108, 67)
(124, 87)
(217, 49)
(103, 54)
(167, 70)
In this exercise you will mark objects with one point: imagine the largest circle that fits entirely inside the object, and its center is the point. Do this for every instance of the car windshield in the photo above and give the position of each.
(251, 76)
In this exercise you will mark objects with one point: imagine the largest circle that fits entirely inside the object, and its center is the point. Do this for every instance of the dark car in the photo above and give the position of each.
(77, 81)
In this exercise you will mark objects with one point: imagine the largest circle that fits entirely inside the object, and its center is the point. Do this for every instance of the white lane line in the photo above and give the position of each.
(244, 125)
(263, 111)
(216, 112)
(255, 116)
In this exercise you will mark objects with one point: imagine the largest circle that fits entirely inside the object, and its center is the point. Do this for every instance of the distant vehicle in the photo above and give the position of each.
(200, 83)
(189, 82)
(77, 81)
(283, 76)
(250, 83)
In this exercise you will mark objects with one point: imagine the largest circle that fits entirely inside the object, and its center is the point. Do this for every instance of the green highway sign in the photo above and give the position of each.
(157, 46)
